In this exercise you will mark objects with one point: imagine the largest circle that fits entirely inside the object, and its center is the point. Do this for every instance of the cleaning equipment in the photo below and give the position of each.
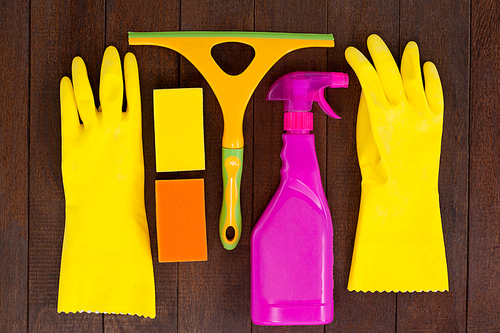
(179, 138)
(106, 264)
(292, 243)
(180, 220)
(233, 93)
(399, 242)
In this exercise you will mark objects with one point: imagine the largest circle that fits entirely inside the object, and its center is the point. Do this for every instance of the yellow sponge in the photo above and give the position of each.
(179, 141)
(180, 220)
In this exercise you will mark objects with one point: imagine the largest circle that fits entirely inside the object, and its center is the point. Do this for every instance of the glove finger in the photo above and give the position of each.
(83, 92)
(387, 69)
(369, 145)
(111, 85)
(367, 149)
(132, 88)
(70, 123)
(411, 74)
(367, 76)
(433, 88)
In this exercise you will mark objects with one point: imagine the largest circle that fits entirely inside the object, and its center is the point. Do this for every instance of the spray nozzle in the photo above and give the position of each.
(299, 89)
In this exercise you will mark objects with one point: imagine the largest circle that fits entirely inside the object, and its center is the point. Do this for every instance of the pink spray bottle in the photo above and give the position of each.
(292, 243)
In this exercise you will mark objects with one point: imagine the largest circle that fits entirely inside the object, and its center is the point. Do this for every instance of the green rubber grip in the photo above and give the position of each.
(230, 215)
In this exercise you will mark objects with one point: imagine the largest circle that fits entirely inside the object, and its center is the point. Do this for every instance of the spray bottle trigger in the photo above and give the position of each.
(320, 98)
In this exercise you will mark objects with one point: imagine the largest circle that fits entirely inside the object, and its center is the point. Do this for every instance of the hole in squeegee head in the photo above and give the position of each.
(230, 233)
(232, 57)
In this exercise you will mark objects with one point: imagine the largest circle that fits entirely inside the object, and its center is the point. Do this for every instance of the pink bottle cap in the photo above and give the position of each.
(299, 90)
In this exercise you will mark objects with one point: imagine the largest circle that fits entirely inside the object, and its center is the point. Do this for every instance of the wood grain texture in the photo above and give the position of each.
(437, 28)
(60, 30)
(39, 39)
(484, 213)
(158, 69)
(214, 296)
(354, 311)
(279, 16)
(14, 117)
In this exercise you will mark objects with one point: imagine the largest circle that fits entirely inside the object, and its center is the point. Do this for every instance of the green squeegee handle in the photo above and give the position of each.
(230, 215)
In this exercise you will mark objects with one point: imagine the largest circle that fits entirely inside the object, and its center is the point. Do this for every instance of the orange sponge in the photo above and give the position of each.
(180, 220)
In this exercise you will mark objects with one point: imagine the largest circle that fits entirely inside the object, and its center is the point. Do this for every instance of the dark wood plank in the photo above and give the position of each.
(214, 295)
(14, 115)
(351, 23)
(158, 69)
(484, 214)
(59, 32)
(442, 34)
(282, 16)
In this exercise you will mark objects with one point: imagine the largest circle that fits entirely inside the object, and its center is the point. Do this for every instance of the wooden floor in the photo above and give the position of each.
(39, 38)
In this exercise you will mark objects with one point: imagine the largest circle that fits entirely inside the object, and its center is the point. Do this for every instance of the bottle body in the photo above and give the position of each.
(292, 244)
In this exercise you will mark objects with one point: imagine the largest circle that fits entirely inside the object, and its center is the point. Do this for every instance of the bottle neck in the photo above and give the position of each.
(300, 160)
(298, 131)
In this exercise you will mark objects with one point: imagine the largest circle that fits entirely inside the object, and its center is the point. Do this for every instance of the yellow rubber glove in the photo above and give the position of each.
(106, 264)
(399, 242)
